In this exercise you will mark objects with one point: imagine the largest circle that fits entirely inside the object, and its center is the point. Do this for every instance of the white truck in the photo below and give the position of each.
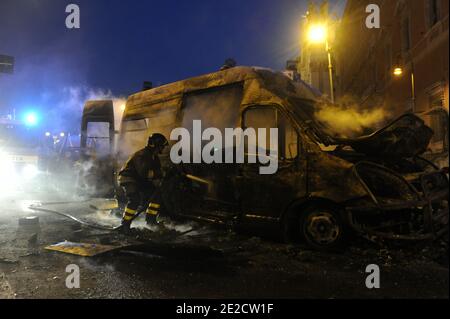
(21, 153)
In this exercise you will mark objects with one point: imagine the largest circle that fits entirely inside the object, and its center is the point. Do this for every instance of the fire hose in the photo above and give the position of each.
(95, 226)
(82, 222)
(100, 227)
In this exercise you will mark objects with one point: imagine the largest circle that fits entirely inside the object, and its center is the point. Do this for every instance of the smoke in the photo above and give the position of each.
(68, 111)
(348, 119)
(106, 218)
(69, 175)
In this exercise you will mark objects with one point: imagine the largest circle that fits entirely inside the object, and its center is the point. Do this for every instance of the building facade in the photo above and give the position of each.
(413, 37)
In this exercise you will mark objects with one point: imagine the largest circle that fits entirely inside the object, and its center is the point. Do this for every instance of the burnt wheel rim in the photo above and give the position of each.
(322, 228)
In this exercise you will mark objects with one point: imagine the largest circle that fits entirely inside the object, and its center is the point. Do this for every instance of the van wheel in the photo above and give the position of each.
(322, 227)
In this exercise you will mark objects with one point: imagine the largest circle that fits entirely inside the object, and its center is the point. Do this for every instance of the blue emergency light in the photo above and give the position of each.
(31, 119)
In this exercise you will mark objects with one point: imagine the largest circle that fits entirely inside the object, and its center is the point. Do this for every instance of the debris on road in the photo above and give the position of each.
(8, 261)
(83, 249)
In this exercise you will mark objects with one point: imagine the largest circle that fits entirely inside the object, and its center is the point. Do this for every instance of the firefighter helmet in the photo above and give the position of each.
(157, 140)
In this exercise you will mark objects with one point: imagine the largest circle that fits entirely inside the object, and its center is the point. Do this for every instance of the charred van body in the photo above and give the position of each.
(376, 185)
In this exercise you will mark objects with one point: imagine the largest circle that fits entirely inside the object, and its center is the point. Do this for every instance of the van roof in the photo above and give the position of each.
(175, 90)
(205, 81)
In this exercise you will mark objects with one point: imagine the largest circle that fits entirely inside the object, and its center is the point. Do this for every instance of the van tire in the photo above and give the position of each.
(319, 225)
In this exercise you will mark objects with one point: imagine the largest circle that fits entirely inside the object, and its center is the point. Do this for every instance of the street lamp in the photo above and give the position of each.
(318, 33)
(398, 72)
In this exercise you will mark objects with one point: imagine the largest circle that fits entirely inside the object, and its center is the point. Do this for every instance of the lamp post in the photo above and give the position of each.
(398, 72)
(319, 34)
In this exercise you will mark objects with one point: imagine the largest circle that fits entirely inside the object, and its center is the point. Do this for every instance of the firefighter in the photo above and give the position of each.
(137, 179)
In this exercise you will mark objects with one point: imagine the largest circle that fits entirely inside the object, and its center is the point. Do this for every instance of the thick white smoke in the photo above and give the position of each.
(347, 119)
(73, 99)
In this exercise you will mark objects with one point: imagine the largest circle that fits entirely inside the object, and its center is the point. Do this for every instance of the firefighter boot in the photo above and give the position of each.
(125, 227)
(152, 213)
(128, 217)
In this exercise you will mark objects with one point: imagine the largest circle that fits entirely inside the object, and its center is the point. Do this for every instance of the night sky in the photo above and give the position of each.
(122, 43)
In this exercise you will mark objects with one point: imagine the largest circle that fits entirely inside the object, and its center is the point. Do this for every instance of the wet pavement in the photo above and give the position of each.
(204, 263)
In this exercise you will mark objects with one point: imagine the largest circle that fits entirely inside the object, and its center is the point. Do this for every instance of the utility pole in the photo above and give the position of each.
(413, 85)
(330, 71)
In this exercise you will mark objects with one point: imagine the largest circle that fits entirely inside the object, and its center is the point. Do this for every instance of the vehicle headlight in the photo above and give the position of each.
(6, 166)
(30, 171)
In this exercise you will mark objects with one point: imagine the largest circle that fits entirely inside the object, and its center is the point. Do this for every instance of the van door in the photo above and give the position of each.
(211, 193)
(96, 172)
(263, 197)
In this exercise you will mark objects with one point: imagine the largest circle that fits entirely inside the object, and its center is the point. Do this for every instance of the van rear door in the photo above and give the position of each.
(101, 112)
(96, 175)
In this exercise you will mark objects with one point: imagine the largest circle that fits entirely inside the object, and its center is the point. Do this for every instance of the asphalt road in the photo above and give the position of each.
(206, 263)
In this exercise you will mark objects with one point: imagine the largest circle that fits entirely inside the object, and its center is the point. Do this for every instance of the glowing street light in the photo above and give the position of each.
(398, 71)
(318, 33)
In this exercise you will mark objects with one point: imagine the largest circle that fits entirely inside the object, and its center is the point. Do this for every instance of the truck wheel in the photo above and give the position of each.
(322, 227)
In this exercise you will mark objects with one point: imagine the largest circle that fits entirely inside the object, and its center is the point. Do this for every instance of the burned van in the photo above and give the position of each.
(324, 187)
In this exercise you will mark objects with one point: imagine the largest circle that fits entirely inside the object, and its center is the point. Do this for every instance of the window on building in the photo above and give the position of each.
(439, 117)
(406, 34)
(439, 125)
(433, 12)
(388, 57)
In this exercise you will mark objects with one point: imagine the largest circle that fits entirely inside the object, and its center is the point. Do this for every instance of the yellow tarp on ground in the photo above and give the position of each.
(82, 249)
